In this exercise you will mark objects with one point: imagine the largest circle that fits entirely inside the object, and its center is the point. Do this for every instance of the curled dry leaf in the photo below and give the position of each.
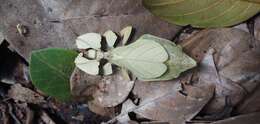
(163, 101)
(253, 118)
(108, 91)
(236, 52)
(19, 93)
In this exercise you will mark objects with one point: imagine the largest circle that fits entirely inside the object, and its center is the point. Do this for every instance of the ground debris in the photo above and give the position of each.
(22, 94)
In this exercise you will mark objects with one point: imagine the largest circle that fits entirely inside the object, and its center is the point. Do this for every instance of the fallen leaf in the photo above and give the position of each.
(253, 118)
(113, 90)
(58, 23)
(103, 111)
(206, 13)
(107, 91)
(257, 28)
(163, 101)
(13, 68)
(209, 74)
(22, 94)
(236, 52)
(83, 85)
(250, 104)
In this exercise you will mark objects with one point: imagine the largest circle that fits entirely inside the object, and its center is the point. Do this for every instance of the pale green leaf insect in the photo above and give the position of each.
(150, 58)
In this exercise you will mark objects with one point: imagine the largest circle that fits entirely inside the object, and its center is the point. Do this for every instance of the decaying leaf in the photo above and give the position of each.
(22, 94)
(225, 89)
(164, 102)
(236, 51)
(257, 28)
(103, 111)
(253, 118)
(203, 13)
(50, 70)
(58, 23)
(13, 68)
(251, 103)
(83, 85)
(108, 91)
(113, 90)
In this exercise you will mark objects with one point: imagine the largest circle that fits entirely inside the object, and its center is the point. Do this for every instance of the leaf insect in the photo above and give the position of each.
(150, 58)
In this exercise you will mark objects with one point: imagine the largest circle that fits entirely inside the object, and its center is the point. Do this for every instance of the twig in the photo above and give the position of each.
(10, 110)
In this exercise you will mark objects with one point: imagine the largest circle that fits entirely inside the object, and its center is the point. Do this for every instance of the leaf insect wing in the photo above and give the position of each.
(126, 34)
(111, 38)
(89, 40)
(86, 65)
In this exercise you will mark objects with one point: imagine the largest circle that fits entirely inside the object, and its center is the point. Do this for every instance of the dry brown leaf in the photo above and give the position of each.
(257, 28)
(224, 88)
(163, 101)
(83, 85)
(236, 52)
(19, 93)
(251, 103)
(113, 90)
(103, 111)
(108, 91)
(253, 118)
(57, 23)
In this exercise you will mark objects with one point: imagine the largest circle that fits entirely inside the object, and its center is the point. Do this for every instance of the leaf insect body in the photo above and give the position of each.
(150, 58)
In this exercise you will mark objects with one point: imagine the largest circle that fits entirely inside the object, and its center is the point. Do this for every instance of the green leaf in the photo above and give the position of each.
(144, 58)
(50, 70)
(204, 13)
(256, 1)
(178, 61)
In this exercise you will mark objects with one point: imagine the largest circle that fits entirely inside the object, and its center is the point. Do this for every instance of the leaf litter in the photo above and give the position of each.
(232, 47)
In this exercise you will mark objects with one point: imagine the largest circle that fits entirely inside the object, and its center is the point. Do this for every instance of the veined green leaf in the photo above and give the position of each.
(178, 61)
(88, 66)
(204, 13)
(89, 40)
(50, 70)
(144, 58)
